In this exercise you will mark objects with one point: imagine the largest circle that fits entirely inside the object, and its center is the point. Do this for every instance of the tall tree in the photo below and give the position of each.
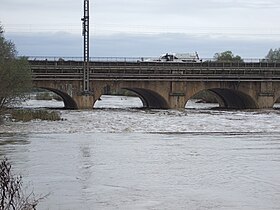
(227, 56)
(273, 55)
(15, 73)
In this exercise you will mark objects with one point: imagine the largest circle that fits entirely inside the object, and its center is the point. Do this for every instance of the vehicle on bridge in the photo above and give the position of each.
(175, 57)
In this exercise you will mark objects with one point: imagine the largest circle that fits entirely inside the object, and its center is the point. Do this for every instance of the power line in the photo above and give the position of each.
(86, 31)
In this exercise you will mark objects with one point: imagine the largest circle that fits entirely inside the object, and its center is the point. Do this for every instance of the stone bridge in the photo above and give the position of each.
(162, 85)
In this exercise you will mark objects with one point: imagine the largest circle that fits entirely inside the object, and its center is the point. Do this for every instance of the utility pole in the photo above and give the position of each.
(85, 22)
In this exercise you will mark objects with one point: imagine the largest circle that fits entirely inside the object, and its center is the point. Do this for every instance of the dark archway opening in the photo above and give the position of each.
(150, 99)
(69, 102)
(130, 98)
(203, 100)
(277, 104)
(226, 99)
(118, 99)
(232, 99)
(52, 98)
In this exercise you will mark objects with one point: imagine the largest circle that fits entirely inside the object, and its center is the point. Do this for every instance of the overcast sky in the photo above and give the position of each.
(143, 28)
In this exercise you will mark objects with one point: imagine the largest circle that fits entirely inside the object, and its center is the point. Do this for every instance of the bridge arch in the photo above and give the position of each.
(277, 97)
(232, 99)
(149, 98)
(69, 102)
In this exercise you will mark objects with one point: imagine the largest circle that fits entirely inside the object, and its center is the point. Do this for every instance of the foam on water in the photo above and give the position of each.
(118, 156)
(125, 116)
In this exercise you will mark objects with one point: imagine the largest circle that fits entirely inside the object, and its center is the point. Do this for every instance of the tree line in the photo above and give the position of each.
(15, 72)
(228, 56)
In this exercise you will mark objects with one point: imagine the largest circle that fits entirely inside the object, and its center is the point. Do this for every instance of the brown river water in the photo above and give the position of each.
(118, 156)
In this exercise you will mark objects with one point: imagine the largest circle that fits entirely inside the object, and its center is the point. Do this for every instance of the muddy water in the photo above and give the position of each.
(121, 157)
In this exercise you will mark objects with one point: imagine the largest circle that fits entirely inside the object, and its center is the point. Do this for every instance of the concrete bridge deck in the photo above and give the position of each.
(163, 84)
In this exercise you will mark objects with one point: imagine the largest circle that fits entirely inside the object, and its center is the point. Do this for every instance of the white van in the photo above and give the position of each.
(178, 57)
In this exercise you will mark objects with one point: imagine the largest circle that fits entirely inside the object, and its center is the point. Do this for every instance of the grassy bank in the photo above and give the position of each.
(26, 115)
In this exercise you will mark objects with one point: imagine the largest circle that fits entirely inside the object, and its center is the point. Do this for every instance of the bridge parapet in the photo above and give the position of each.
(163, 84)
(136, 59)
(202, 71)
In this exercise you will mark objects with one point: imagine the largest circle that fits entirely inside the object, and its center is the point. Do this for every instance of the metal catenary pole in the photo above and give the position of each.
(85, 20)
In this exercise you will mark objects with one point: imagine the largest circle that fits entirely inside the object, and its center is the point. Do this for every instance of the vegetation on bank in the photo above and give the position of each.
(26, 115)
(12, 194)
(15, 73)
(273, 55)
(15, 82)
(227, 56)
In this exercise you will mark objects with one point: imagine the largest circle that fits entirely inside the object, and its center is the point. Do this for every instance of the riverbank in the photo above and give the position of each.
(26, 115)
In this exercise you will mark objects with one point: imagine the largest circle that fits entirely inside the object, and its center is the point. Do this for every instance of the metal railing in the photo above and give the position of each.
(140, 59)
(132, 70)
(92, 59)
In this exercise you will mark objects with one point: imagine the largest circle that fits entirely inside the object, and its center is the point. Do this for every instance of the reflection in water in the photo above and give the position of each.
(85, 170)
(10, 142)
(150, 159)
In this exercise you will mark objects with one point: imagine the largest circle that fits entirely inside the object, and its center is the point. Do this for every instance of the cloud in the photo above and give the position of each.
(41, 5)
(252, 4)
(40, 13)
(143, 28)
(145, 16)
(129, 45)
(47, 44)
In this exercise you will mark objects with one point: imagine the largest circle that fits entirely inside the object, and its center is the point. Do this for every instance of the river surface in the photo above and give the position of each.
(118, 156)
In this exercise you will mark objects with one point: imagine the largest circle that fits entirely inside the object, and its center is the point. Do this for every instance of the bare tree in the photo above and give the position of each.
(12, 196)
